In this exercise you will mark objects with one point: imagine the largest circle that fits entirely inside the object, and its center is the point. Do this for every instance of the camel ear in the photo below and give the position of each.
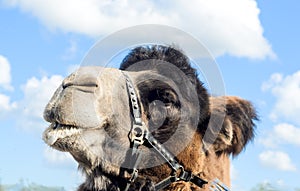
(237, 117)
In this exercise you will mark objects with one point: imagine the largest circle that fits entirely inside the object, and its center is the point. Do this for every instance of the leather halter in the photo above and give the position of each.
(139, 134)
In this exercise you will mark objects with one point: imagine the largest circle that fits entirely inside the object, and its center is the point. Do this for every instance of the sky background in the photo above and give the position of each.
(256, 45)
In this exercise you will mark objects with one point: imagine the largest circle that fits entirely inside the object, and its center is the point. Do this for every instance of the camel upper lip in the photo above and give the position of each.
(56, 125)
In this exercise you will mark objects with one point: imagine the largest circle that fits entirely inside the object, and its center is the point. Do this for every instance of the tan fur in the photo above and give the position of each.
(207, 165)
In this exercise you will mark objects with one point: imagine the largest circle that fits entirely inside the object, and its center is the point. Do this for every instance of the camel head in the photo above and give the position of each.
(91, 115)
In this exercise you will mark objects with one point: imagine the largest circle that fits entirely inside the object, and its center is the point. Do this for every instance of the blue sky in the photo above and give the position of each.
(255, 43)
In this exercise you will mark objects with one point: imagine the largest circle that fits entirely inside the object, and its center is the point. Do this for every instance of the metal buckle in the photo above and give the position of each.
(137, 133)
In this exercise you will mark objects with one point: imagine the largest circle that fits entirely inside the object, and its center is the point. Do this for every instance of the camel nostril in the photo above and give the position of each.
(66, 83)
(49, 115)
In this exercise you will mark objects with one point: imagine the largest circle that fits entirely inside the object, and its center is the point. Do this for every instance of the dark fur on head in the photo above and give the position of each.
(237, 116)
(241, 114)
(175, 57)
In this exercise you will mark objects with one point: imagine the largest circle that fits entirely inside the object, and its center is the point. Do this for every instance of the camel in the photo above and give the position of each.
(149, 125)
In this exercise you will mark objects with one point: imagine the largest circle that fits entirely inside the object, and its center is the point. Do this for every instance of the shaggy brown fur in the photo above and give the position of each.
(90, 117)
(172, 56)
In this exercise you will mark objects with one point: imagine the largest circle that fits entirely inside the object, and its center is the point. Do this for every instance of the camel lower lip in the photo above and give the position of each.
(57, 131)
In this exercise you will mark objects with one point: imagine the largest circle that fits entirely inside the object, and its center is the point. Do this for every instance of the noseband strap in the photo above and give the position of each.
(139, 134)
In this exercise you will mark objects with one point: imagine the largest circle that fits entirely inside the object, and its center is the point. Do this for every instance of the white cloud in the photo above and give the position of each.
(37, 93)
(231, 26)
(55, 157)
(5, 104)
(286, 90)
(287, 133)
(282, 133)
(277, 160)
(5, 75)
(5, 83)
(273, 81)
